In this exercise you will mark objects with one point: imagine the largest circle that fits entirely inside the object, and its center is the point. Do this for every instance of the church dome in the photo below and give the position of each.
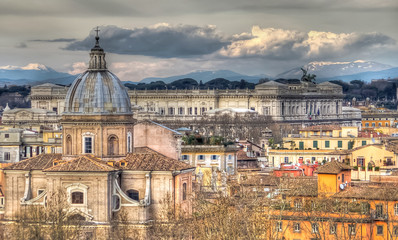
(97, 90)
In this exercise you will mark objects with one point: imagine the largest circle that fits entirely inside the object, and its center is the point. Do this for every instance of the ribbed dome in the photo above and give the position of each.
(97, 91)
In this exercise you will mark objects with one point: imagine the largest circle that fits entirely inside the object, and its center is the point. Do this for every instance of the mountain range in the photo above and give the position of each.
(206, 76)
(34, 74)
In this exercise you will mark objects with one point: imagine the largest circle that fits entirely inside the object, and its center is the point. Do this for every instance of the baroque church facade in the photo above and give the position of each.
(105, 168)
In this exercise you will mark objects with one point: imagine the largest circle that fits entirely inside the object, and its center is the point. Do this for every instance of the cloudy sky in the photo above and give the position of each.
(146, 38)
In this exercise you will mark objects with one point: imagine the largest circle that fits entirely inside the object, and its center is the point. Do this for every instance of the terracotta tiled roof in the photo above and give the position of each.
(372, 192)
(300, 186)
(84, 163)
(146, 159)
(39, 162)
(333, 167)
(321, 127)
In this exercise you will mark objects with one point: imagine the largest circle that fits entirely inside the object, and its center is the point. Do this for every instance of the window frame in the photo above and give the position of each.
(379, 230)
(333, 229)
(296, 227)
(136, 196)
(314, 228)
(279, 226)
(7, 156)
(86, 136)
(396, 209)
(77, 195)
(184, 191)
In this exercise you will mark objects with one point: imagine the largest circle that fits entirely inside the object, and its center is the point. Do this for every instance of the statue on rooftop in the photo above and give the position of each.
(214, 177)
(307, 77)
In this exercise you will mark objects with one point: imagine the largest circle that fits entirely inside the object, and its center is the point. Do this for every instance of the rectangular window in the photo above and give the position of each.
(395, 231)
(379, 230)
(88, 145)
(161, 111)
(364, 143)
(315, 228)
(190, 111)
(296, 227)
(171, 111)
(315, 144)
(185, 157)
(1, 201)
(350, 144)
(77, 198)
(342, 178)
(184, 191)
(351, 229)
(327, 144)
(230, 157)
(332, 229)
(339, 144)
(379, 211)
(396, 209)
(180, 111)
(201, 157)
(196, 111)
(266, 111)
(279, 226)
(214, 157)
(361, 161)
(286, 159)
(301, 145)
(6, 135)
(7, 156)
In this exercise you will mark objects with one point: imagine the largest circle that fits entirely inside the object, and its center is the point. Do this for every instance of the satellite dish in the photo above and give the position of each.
(342, 186)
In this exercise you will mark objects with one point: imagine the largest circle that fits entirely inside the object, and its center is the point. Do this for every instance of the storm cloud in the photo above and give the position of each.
(160, 40)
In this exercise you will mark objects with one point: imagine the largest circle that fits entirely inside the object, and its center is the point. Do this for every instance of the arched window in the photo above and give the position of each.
(184, 191)
(133, 194)
(113, 145)
(68, 145)
(77, 198)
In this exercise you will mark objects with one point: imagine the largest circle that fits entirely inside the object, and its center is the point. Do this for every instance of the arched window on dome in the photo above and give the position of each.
(68, 149)
(113, 145)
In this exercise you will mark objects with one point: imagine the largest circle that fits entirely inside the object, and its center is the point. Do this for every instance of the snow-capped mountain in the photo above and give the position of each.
(29, 74)
(206, 76)
(325, 70)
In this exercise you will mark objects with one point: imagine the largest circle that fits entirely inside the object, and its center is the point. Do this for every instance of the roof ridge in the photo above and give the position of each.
(96, 162)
